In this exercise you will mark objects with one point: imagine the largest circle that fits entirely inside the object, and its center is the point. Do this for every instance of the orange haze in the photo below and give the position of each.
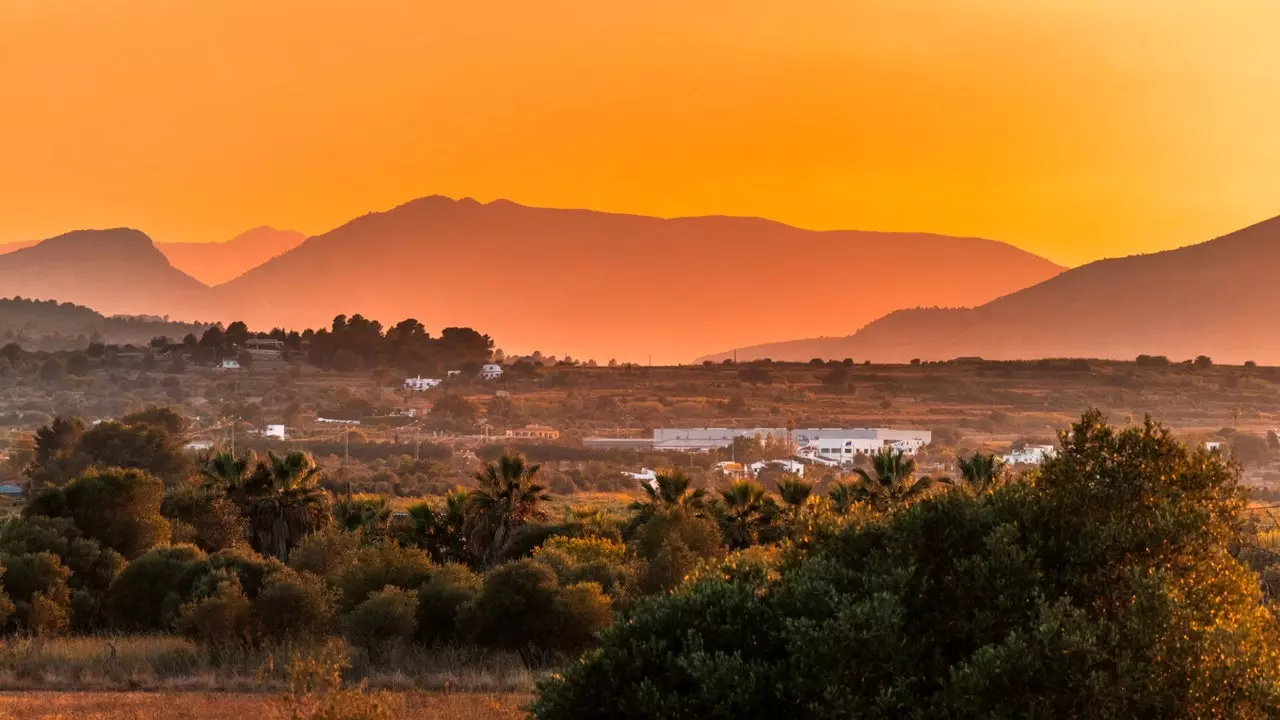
(1072, 128)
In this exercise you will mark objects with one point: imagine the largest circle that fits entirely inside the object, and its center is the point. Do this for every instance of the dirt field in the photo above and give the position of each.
(220, 706)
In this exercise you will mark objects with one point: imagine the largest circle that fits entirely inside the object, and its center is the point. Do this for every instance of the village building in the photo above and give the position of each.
(534, 432)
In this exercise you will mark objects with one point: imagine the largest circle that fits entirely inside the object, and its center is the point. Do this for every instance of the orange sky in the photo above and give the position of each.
(1073, 128)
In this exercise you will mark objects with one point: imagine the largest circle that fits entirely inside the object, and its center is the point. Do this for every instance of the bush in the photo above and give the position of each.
(144, 595)
(550, 617)
(219, 618)
(211, 522)
(440, 599)
(37, 585)
(384, 621)
(250, 569)
(671, 545)
(293, 605)
(587, 559)
(1103, 590)
(581, 612)
(324, 552)
(93, 568)
(118, 508)
(374, 567)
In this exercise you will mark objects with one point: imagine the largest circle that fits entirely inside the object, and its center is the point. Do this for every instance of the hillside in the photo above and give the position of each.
(215, 263)
(50, 325)
(1216, 298)
(600, 285)
(116, 272)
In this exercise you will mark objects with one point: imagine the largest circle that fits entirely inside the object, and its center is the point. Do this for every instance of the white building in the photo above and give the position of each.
(420, 384)
(491, 371)
(199, 445)
(841, 446)
(274, 431)
(1031, 455)
(230, 364)
(1212, 445)
(794, 467)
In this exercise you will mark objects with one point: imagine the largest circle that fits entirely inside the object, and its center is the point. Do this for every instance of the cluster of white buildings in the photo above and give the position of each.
(825, 446)
(490, 371)
(1030, 455)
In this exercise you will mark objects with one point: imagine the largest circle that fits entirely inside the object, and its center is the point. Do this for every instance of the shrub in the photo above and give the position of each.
(118, 508)
(440, 599)
(37, 585)
(587, 559)
(322, 553)
(550, 617)
(144, 596)
(211, 522)
(582, 610)
(219, 618)
(293, 605)
(387, 619)
(250, 569)
(374, 567)
(1103, 590)
(671, 545)
(92, 567)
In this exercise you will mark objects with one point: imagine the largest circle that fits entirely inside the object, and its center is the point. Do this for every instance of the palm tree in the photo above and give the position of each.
(843, 496)
(506, 499)
(743, 511)
(794, 490)
(894, 481)
(369, 515)
(224, 471)
(441, 531)
(283, 502)
(669, 491)
(982, 472)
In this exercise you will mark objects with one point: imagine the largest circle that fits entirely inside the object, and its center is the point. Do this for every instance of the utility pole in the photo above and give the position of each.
(417, 446)
(233, 437)
(346, 451)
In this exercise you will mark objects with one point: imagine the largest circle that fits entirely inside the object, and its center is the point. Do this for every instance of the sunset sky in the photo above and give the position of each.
(1076, 129)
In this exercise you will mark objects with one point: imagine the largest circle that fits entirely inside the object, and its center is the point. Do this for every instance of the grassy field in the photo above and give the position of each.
(162, 663)
(220, 706)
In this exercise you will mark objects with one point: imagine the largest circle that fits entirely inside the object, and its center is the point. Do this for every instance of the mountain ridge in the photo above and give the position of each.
(571, 259)
(1212, 297)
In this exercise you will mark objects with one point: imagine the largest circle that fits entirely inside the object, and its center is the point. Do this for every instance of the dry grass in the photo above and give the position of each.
(172, 664)
(220, 706)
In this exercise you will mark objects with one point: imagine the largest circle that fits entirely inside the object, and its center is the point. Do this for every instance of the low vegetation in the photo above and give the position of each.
(1125, 575)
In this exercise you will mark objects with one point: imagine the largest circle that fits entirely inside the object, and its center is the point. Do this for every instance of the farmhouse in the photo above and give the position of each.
(534, 432)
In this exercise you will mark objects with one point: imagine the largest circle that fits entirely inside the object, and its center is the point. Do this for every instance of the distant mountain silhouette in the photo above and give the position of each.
(600, 285)
(117, 271)
(214, 263)
(1219, 298)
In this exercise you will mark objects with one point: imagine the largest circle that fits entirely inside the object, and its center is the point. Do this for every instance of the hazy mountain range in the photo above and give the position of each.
(1217, 298)
(215, 262)
(576, 282)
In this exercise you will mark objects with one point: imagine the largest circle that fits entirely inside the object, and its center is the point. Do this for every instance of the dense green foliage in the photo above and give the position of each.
(1104, 588)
